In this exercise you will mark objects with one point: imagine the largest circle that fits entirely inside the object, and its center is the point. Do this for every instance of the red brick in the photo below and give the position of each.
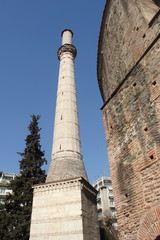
(128, 75)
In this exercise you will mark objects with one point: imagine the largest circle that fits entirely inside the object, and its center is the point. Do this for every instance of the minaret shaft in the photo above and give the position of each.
(66, 128)
(66, 150)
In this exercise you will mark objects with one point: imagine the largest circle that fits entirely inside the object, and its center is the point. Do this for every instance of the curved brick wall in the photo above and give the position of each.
(128, 70)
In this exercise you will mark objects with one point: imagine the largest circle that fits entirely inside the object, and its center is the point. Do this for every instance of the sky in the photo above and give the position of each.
(30, 37)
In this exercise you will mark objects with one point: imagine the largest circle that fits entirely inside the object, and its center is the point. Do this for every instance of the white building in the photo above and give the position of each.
(5, 179)
(105, 198)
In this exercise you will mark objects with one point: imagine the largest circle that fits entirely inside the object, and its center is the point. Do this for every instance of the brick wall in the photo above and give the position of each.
(128, 74)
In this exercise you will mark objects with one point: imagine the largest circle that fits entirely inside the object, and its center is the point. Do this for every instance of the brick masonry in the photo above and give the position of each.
(128, 73)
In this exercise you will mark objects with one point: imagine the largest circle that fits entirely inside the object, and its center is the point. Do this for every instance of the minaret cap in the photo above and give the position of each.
(67, 35)
(66, 30)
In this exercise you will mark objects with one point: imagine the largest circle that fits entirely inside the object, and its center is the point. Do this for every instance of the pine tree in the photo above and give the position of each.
(18, 206)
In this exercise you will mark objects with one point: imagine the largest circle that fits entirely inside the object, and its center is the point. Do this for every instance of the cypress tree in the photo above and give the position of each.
(18, 206)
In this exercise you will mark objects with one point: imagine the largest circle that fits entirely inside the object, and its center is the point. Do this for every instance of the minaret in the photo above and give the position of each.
(66, 151)
(65, 206)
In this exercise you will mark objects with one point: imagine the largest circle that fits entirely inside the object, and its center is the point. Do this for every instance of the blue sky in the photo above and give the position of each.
(30, 37)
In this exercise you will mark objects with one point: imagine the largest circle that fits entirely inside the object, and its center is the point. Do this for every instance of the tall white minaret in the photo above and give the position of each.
(65, 206)
(66, 150)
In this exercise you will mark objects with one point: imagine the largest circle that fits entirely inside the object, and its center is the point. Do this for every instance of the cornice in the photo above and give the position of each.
(57, 186)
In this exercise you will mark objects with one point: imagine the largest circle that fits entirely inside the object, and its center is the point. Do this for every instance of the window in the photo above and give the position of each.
(157, 2)
(2, 189)
(111, 201)
(99, 202)
(110, 192)
(107, 183)
(99, 212)
(158, 238)
(113, 212)
(100, 184)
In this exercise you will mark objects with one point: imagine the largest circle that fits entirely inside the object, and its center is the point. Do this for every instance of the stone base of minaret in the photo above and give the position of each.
(64, 210)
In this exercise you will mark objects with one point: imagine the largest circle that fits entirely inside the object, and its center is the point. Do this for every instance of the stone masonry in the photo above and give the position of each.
(64, 208)
(66, 150)
(128, 71)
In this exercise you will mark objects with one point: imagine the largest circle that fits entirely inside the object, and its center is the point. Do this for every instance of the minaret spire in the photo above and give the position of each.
(66, 150)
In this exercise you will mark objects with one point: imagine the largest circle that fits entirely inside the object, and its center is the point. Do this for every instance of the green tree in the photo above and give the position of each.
(16, 212)
(107, 230)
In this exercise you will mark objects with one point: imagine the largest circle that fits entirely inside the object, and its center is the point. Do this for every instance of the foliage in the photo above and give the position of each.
(16, 212)
(107, 230)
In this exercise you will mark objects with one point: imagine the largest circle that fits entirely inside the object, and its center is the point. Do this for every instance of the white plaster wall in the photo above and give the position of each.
(104, 201)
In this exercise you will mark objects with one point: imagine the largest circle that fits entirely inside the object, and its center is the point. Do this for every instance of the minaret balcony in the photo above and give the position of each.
(67, 48)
